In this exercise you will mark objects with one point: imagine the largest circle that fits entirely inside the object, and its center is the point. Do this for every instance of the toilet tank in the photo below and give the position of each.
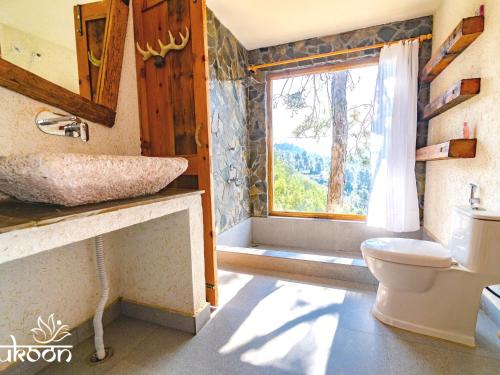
(475, 240)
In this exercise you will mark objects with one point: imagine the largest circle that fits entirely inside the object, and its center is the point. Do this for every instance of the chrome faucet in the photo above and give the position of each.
(63, 125)
(473, 200)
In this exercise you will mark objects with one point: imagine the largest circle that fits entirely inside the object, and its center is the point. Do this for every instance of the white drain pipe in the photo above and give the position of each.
(103, 278)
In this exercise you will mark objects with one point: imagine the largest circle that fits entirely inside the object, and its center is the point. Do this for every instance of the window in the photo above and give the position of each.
(319, 128)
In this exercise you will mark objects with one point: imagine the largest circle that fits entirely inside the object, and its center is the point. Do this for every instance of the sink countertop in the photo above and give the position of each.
(29, 228)
(16, 215)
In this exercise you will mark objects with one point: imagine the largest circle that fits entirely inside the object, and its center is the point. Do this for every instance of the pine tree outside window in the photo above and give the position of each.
(319, 122)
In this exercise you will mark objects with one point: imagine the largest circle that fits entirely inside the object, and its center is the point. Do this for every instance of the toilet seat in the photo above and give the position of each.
(408, 251)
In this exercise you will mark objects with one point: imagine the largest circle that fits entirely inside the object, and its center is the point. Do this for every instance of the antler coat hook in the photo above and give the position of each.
(164, 49)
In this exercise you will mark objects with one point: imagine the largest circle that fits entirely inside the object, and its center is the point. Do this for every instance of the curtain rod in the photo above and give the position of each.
(254, 68)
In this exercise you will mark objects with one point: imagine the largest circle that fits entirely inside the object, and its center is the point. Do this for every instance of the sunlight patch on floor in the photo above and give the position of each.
(282, 320)
(233, 283)
(274, 351)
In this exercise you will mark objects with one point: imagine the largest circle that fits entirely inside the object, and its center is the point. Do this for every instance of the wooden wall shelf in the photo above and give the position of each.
(464, 34)
(458, 93)
(453, 149)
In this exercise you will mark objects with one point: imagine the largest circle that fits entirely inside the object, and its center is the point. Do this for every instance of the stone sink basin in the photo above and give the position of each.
(76, 179)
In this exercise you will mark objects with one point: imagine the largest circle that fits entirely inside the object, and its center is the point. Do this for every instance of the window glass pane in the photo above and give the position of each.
(321, 125)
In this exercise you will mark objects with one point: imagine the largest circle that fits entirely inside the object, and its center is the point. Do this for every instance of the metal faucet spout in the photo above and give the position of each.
(56, 120)
(64, 125)
(473, 200)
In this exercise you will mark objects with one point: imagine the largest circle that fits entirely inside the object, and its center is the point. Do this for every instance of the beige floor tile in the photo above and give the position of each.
(273, 325)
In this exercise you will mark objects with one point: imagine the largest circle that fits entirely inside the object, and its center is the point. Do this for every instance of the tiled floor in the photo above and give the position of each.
(271, 325)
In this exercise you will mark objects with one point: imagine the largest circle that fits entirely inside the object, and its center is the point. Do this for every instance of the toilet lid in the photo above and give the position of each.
(408, 251)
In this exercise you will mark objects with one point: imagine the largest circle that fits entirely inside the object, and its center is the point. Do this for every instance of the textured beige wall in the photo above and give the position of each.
(161, 261)
(447, 181)
(18, 132)
(64, 280)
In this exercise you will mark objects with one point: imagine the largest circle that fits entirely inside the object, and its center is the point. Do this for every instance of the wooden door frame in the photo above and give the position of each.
(204, 143)
(296, 72)
(199, 164)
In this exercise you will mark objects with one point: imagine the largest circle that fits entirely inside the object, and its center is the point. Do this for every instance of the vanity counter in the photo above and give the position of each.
(153, 250)
(29, 228)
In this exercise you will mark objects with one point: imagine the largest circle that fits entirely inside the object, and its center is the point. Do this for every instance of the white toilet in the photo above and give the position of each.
(428, 289)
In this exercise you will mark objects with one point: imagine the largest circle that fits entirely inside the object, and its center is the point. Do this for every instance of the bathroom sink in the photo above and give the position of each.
(76, 179)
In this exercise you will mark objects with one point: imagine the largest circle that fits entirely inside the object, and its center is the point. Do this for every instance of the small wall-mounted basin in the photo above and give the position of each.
(76, 179)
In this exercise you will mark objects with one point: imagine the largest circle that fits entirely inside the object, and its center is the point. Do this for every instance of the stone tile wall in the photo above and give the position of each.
(238, 108)
(228, 97)
(256, 106)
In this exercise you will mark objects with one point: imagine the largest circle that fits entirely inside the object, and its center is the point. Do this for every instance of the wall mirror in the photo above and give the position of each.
(67, 53)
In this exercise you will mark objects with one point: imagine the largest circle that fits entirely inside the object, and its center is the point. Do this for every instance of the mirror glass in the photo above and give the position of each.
(58, 40)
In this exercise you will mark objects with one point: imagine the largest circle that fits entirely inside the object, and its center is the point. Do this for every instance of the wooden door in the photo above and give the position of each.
(173, 102)
(90, 29)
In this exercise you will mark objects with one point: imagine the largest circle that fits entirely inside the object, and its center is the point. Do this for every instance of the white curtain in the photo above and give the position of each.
(393, 201)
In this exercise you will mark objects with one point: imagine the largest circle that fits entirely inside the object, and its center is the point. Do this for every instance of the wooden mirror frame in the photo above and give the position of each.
(104, 111)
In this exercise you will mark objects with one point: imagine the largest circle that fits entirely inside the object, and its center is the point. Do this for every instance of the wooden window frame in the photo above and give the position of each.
(296, 72)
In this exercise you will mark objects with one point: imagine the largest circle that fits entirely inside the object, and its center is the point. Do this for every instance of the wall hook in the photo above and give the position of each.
(164, 48)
